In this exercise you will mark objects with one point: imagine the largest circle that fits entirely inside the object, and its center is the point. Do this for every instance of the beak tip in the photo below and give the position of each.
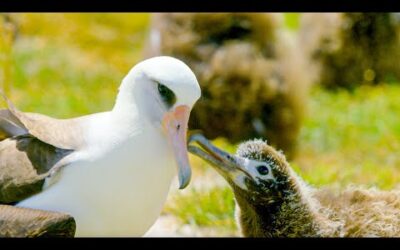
(184, 181)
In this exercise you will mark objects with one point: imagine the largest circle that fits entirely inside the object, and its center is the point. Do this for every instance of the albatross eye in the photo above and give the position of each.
(262, 170)
(166, 95)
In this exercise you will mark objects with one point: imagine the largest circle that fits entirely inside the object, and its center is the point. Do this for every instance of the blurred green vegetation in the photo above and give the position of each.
(292, 21)
(66, 65)
(208, 208)
(352, 137)
(72, 64)
(6, 38)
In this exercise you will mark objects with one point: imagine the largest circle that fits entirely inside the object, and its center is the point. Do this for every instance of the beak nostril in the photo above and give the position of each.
(178, 127)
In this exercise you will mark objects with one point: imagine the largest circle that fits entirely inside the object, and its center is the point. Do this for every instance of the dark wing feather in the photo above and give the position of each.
(25, 222)
(33, 146)
(25, 162)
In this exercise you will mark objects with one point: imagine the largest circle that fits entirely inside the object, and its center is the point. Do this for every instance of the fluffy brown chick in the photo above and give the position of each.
(349, 49)
(273, 201)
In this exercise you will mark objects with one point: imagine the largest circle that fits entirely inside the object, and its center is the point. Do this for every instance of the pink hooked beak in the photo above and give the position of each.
(175, 124)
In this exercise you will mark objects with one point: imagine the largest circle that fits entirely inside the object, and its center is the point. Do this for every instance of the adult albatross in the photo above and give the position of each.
(111, 171)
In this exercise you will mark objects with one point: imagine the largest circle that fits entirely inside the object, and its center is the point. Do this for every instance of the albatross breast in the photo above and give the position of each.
(94, 184)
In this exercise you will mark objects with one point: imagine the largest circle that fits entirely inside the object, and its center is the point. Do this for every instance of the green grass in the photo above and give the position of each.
(72, 64)
(66, 65)
(352, 137)
(292, 21)
(205, 208)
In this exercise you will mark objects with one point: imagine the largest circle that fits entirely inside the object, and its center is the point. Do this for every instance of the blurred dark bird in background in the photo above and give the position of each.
(349, 49)
(249, 69)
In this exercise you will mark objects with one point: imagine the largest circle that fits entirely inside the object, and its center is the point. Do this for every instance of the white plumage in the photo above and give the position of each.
(118, 181)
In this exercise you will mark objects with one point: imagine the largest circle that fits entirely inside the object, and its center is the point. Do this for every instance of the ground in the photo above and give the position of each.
(67, 65)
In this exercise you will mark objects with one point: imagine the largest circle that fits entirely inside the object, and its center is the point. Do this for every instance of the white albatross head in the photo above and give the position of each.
(162, 90)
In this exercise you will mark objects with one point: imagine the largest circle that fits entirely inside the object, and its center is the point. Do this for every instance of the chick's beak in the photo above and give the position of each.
(175, 124)
(225, 163)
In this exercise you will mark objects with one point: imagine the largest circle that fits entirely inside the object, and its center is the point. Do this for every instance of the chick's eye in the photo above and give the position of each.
(263, 170)
(166, 95)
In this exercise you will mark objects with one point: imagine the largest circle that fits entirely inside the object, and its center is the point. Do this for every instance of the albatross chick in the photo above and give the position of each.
(273, 201)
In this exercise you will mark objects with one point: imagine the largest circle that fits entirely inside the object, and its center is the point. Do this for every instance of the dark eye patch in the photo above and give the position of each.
(262, 170)
(166, 94)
